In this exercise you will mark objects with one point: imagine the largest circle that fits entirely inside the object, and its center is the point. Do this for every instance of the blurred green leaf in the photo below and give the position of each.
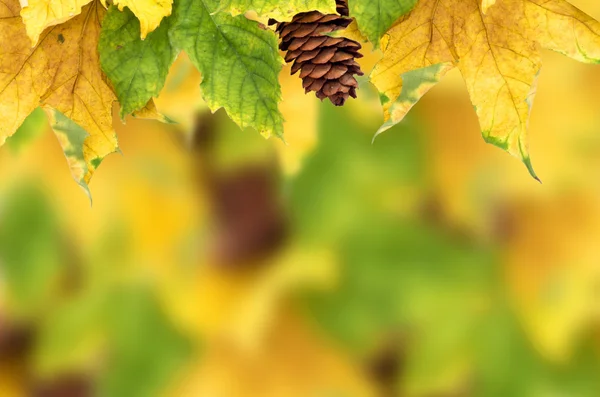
(348, 179)
(402, 277)
(32, 127)
(31, 253)
(71, 336)
(509, 365)
(146, 350)
(396, 273)
(439, 292)
(127, 325)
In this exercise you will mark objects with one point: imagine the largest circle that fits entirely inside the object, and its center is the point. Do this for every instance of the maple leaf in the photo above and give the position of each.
(280, 10)
(72, 139)
(375, 17)
(149, 12)
(238, 60)
(497, 52)
(137, 68)
(62, 74)
(41, 14)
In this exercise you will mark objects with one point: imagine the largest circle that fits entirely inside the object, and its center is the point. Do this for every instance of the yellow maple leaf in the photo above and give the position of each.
(41, 14)
(497, 52)
(62, 73)
(149, 12)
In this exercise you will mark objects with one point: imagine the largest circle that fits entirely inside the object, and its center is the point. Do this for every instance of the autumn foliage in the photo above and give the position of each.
(75, 58)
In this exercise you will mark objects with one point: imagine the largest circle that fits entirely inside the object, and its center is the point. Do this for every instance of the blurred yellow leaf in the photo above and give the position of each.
(553, 269)
(11, 381)
(295, 364)
(149, 12)
(59, 73)
(249, 298)
(300, 114)
(497, 53)
(292, 271)
(181, 99)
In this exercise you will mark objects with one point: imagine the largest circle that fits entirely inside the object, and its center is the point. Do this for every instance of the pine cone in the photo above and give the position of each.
(327, 64)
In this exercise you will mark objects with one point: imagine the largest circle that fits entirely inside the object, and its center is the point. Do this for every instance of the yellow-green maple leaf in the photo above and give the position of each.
(497, 52)
(149, 12)
(61, 73)
(280, 10)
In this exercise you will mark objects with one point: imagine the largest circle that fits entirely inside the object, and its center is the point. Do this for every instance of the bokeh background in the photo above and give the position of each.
(216, 263)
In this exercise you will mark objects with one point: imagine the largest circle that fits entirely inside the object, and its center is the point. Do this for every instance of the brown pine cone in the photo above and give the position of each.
(327, 64)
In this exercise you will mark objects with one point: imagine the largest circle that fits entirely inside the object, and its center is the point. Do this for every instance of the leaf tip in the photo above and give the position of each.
(88, 193)
(384, 127)
(527, 161)
(283, 140)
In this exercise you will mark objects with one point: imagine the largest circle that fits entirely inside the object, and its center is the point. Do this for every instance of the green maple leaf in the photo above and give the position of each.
(137, 68)
(238, 60)
(375, 17)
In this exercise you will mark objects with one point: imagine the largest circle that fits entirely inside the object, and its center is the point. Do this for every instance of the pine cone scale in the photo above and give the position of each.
(336, 72)
(319, 71)
(327, 64)
(313, 43)
(307, 17)
(324, 56)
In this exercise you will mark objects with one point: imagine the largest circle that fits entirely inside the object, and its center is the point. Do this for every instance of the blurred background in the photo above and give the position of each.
(216, 263)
